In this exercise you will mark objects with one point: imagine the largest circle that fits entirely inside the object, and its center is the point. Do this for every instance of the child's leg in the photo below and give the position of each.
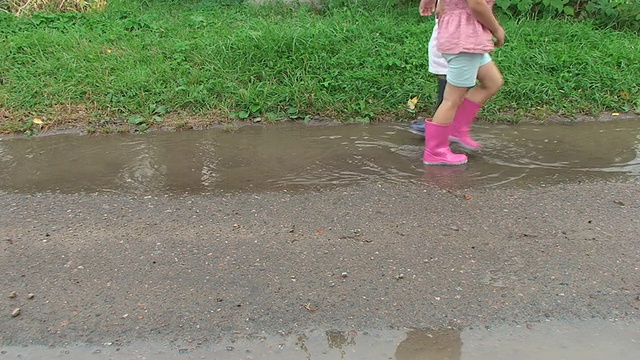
(437, 132)
(452, 98)
(490, 82)
(461, 75)
(442, 84)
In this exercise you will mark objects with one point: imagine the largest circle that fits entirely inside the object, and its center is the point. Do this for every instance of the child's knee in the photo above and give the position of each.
(493, 84)
(499, 82)
(452, 103)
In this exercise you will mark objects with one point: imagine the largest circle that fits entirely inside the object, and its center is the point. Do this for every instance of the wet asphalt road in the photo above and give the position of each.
(118, 268)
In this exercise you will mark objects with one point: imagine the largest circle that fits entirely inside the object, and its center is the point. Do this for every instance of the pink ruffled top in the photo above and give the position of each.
(460, 31)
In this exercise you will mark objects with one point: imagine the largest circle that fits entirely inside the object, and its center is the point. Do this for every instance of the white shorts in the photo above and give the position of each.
(437, 64)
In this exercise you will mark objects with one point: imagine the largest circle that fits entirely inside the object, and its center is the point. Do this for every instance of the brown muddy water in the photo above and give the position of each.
(590, 340)
(300, 157)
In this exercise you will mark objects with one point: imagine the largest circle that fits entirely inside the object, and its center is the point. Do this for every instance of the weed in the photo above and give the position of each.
(7, 127)
(122, 129)
(182, 125)
(106, 130)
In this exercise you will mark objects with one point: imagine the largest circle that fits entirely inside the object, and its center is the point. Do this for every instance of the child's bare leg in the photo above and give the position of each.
(453, 96)
(490, 80)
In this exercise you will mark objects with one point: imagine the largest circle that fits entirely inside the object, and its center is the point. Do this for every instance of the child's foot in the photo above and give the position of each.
(417, 127)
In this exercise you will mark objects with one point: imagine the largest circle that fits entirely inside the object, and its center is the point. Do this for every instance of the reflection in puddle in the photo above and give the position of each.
(430, 345)
(336, 339)
(339, 339)
(296, 156)
(592, 340)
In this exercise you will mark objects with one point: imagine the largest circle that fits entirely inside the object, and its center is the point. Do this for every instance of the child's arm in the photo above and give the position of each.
(483, 13)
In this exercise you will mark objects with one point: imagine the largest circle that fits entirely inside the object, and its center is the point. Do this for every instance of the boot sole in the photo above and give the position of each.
(444, 163)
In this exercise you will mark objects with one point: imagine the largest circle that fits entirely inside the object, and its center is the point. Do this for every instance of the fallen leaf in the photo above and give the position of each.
(467, 197)
(37, 121)
(412, 103)
(309, 307)
(615, 114)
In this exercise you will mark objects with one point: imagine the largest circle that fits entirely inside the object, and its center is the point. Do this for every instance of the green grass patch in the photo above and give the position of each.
(567, 68)
(142, 61)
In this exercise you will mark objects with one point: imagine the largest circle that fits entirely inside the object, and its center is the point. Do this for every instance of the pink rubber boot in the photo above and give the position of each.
(436, 146)
(461, 126)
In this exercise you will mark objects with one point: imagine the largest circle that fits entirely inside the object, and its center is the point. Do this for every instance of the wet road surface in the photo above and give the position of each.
(321, 242)
(591, 340)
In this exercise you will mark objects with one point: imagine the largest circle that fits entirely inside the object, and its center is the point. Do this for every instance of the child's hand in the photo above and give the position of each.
(499, 37)
(427, 7)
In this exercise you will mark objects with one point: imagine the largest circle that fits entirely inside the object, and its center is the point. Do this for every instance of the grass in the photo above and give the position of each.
(141, 64)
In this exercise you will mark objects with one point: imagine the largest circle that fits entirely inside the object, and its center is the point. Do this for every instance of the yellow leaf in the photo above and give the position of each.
(412, 103)
(37, 121)
(615, 114)
(108, 51)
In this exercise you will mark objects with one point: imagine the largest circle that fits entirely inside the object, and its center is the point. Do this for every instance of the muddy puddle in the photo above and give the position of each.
(592, 340)
(296, 156)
